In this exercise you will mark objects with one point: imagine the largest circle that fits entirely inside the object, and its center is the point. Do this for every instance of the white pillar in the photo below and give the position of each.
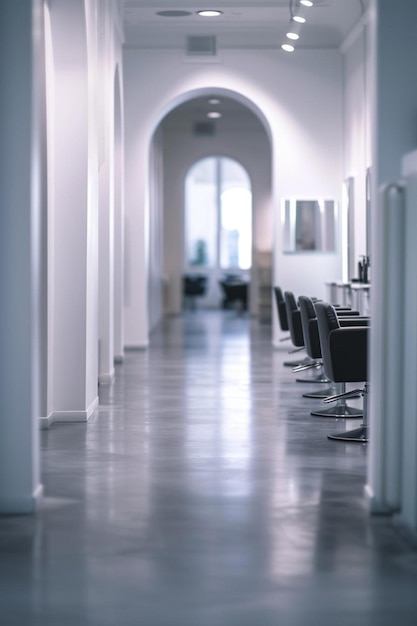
(75, 251)
(20, 211)
(118, 223)
(392, 477)
(106, 273)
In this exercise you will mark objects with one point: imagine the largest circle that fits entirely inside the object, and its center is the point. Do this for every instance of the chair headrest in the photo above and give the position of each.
(290, 300)
(326, 315)
(306, 305)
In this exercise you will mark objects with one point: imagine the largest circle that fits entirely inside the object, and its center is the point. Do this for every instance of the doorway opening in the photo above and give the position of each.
(218, 228)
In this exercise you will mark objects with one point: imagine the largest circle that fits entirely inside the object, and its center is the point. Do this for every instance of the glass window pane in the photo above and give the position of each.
(236, 229)
(201, 214)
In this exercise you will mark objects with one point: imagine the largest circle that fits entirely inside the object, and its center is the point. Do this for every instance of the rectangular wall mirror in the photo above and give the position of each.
(308, 225)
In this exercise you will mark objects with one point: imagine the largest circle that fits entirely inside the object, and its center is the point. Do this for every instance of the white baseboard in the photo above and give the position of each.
(21, 505)
(37, 496)
(106, 379)
(375, 506)
(63, 417)
(137, 346)
(45, 422)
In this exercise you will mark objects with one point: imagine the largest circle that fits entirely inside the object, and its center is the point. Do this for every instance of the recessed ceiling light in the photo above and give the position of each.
(293, 36)
(214, 115)
(214, 101)
(307, 3)
(299, 18)
(173, 13)
(288, 47)
(209, 13)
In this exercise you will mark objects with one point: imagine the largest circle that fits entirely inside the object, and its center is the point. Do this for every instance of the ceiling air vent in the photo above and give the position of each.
(204, 129)
(201, 45)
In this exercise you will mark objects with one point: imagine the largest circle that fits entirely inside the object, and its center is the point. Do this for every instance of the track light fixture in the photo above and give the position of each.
(209, 13)
(296, 19)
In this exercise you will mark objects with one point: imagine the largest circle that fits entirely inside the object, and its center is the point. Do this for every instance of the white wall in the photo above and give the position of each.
(299, 96)
(83, 50)
(309, 164)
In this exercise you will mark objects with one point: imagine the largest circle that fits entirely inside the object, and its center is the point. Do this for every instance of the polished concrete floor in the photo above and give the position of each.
(202, 493)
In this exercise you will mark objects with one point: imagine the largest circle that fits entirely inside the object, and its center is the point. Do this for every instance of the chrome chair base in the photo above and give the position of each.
(320, 378)
(358, 435)
(339, 411)
(347, 394)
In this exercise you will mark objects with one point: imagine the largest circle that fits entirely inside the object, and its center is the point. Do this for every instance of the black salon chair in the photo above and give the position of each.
(297, 338)
(281, 311)
(345, 359)
(235, 291)
(283, 324)
(194, 286)
(312, 342)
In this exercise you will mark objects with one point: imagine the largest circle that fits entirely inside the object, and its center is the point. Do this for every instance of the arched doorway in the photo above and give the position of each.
(218, 223)
(239, 137)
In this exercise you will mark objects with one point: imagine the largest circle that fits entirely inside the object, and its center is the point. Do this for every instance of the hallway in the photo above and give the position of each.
(202, 493)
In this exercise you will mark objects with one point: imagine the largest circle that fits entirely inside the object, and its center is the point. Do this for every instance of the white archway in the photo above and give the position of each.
(138, 219)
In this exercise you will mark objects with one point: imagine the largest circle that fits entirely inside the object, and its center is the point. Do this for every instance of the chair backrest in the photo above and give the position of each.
(326, 322)
(309, 326)
(195, 284)
(344, 349)
(281, 309)
(294, 319)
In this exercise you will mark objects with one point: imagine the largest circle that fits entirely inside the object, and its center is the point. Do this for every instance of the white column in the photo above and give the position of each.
(75, 246)
(106, 277)
(118, 223)
(392, 477)
(20, 207)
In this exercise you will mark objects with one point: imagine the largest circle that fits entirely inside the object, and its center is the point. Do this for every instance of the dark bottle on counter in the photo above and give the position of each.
(365, 269)
(360, 272)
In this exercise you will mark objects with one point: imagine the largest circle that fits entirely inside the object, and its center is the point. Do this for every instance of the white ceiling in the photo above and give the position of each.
(243, 24)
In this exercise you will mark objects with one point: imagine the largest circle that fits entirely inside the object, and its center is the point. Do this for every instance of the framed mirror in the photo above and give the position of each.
(308, 225)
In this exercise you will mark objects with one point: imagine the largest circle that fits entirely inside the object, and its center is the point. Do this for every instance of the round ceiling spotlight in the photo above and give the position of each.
(299, 18)
(287, 47)
(214, 115)
(293, 36)
(173, 13)
(209, 13)
(306, 3)
(214, 101)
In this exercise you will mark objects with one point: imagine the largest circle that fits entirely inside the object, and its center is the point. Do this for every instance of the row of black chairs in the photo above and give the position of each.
(336, 341)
